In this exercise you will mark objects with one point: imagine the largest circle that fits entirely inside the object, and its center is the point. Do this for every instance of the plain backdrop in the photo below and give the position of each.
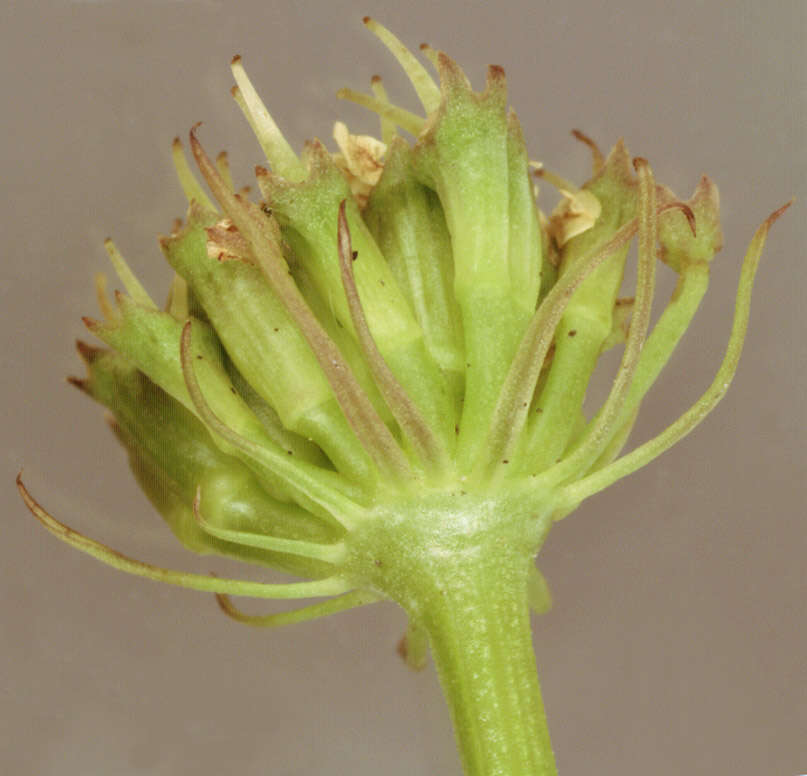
(678, 638)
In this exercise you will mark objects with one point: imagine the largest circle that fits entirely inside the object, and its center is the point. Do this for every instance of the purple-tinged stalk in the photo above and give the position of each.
(373, 378)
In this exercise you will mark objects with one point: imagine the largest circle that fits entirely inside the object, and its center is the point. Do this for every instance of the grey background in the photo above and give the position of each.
(677, 640)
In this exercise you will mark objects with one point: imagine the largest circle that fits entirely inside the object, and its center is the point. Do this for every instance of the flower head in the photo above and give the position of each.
(384, 357)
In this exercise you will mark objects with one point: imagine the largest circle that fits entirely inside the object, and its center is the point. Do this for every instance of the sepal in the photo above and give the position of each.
(470, 152)
(265, 345)
(261, 339)
(308, 211)
(679, 247)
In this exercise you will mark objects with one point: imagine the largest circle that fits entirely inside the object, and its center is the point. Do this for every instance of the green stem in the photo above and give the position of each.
(479, 632)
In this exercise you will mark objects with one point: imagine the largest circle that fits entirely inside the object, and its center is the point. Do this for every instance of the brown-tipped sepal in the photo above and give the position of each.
(308, 212)
(681, 248)
(471, 155)
(253, 324)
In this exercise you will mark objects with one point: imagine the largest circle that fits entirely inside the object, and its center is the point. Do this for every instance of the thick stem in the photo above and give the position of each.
(479, 632)
(460, 565)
